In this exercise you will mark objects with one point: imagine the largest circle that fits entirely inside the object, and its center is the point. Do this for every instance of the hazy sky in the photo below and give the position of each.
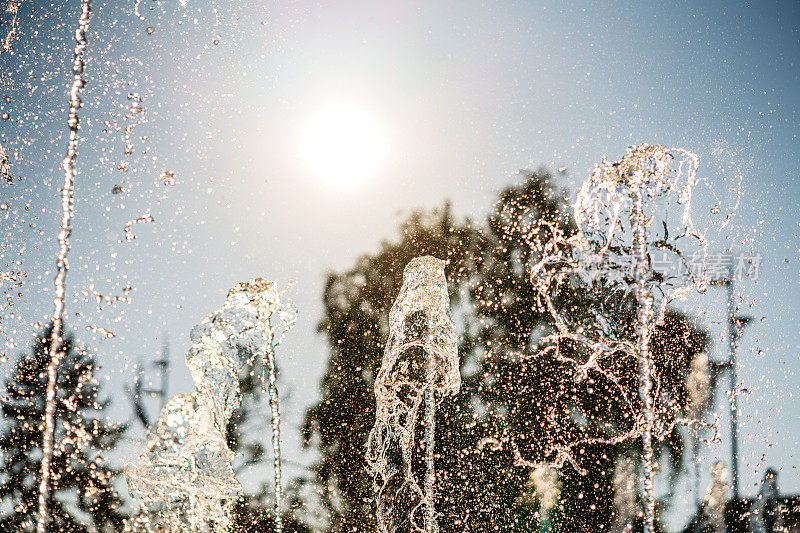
(464, 93)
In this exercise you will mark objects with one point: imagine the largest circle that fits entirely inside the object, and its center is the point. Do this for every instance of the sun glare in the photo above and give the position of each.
(343, 146)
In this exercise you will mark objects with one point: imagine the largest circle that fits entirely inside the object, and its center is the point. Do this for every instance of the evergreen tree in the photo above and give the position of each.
(81, 481)
(515, 401)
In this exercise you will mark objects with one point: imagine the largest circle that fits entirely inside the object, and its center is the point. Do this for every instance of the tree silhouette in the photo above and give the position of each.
(517, 405)
(81, 480)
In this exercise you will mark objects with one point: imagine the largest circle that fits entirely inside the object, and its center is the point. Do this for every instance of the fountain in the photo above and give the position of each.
(185, 480)
(634, 251)
(420, 362)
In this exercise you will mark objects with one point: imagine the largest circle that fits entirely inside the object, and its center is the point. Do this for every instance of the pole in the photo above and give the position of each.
(696, 454)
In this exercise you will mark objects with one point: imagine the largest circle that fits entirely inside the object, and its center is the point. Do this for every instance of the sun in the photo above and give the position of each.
(343, 145)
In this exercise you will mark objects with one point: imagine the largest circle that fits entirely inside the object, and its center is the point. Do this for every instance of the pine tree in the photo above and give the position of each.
(81, 480)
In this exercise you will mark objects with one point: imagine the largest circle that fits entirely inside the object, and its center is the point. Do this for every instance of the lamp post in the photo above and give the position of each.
(137, 392)
(736, 324)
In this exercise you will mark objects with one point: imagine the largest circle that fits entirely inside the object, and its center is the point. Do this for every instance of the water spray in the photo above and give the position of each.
(185, 479)
(420, 365)
(628, 214)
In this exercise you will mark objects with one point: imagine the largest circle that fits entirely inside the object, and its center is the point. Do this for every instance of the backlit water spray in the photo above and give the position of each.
(12, 8)
(185, 480)
(67, 200)
(634, 240)
(420, 362)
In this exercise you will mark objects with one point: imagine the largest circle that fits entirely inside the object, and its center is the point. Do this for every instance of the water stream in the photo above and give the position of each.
(420, 362)
(185, 480)
(67, 201)
(635, 240)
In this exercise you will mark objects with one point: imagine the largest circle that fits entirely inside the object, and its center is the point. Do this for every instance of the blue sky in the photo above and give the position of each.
(466, 94)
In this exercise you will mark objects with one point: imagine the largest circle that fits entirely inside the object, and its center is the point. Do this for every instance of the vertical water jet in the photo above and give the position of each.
(67, 201)
(271, 384)
(644, 315)
(420, 362)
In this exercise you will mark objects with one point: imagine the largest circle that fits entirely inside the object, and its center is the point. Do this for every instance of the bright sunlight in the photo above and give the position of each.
(343, 145)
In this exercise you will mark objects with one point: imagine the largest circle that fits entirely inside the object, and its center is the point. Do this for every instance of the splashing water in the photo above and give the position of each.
(185, 480)
(716, 499)
(5, 166)
(128, 228)
(162, 483)
(132, 120)
(136, 4)
(12, 8)
(631, 255)
(101, 300)
(104, 333)
(419, 362)
(67, 192)
(168, 178)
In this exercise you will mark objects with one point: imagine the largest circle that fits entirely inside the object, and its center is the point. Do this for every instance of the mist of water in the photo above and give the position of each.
(12, 8)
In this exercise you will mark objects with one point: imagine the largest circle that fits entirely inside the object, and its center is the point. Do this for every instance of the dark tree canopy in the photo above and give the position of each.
(81, 480)
(516, 402)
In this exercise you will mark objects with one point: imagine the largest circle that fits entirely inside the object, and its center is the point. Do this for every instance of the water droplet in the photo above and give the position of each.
(129, 236)
(150, 30)
(216, 41)
(6, 116)
(168, 178)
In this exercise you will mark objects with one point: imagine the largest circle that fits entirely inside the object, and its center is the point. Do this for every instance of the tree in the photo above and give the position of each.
(81, 480)
(517, 405)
